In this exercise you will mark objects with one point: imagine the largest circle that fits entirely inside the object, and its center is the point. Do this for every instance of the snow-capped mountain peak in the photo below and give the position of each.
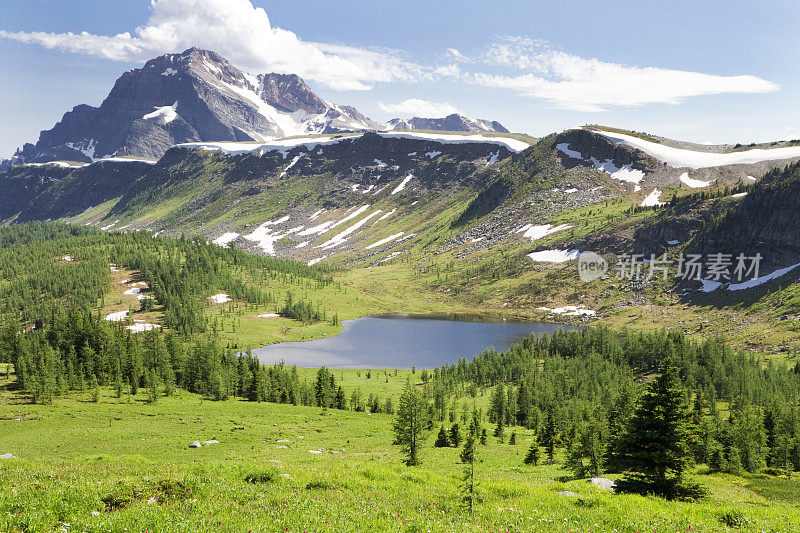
(453, 122)
(196, 95)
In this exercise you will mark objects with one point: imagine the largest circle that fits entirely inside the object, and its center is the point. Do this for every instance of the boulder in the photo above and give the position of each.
(601, 483)
(195, 444)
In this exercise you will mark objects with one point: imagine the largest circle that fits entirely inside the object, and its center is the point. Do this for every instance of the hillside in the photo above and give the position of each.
(441, 221)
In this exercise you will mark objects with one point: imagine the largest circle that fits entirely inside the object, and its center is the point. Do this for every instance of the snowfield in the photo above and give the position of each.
(513, 145)
(294, 161)
(653, 199)
(569, 310)
(762, 279)
(535, 233)
(623, 173)
(554, 256)
(339, 238)
(225, 238)
(164, 114)
(220, 298)
(711, 286)
(62, 164)
(683, 158)
(693, 183)
(119, 316)
(388, 239)
(283, 145)
(402, 184)
(139, 327)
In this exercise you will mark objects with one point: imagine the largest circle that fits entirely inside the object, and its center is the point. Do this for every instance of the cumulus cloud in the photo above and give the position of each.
(454, 54)
(572, 82)
(243, 34)
(419, 108)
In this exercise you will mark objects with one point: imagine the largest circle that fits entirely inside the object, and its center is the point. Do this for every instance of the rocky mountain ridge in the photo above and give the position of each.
(198, 95)
(193, 96)
(452, 122)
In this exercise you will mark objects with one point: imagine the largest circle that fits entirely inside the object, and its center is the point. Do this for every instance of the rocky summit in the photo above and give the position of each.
(198, 95)
(453, 122)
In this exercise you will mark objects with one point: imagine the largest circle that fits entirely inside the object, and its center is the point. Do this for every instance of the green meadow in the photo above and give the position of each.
(123, 464)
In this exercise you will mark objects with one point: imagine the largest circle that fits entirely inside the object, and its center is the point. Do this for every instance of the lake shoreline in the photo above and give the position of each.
(406, 340)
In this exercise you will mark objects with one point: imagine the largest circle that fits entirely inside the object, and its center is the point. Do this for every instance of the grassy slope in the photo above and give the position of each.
(75, 453)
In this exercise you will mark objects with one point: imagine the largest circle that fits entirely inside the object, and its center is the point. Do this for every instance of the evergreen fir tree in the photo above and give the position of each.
(95, 390)
(441, 439)
(532, 457)
(410, 423)
(498, 432)
(455, 436)
(655, 449)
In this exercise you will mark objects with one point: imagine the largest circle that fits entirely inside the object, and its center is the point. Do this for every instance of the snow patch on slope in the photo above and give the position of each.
(294, 161)
(402, 184)
(225, 238)
(624, 173)
(512, 145)
(388, 239)
(537, 232)
(693, 183)
(282, 145)
(164, 114)
(554, 256)
(679, 157)
(339, 238)
(652, 199)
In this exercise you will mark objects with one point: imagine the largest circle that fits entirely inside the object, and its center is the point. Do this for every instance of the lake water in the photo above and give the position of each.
(399, 341)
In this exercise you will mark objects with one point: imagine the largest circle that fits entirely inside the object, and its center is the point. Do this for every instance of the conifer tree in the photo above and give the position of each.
(441, 439)
(533, 455)
(467, 456)
(655, 448)
(455, 436)
(95, 389)
(411, 422)
(549, 437)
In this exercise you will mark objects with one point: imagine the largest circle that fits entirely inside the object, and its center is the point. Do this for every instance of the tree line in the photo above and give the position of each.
(597, 394)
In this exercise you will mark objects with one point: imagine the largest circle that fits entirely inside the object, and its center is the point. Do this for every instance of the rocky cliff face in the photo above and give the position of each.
(761, 221)
(193, 96)
(51, 192)
(454, 122)
(764, 221)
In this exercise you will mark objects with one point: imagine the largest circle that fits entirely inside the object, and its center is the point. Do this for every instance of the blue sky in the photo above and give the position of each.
(700, 71)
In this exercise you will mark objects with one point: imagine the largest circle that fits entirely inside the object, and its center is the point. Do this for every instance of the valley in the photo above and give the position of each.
(228, 304)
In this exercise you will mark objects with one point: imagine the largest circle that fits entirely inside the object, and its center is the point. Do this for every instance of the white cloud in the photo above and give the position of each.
(455, 55)
(572, 82)
(419, 108)
(244, 35)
